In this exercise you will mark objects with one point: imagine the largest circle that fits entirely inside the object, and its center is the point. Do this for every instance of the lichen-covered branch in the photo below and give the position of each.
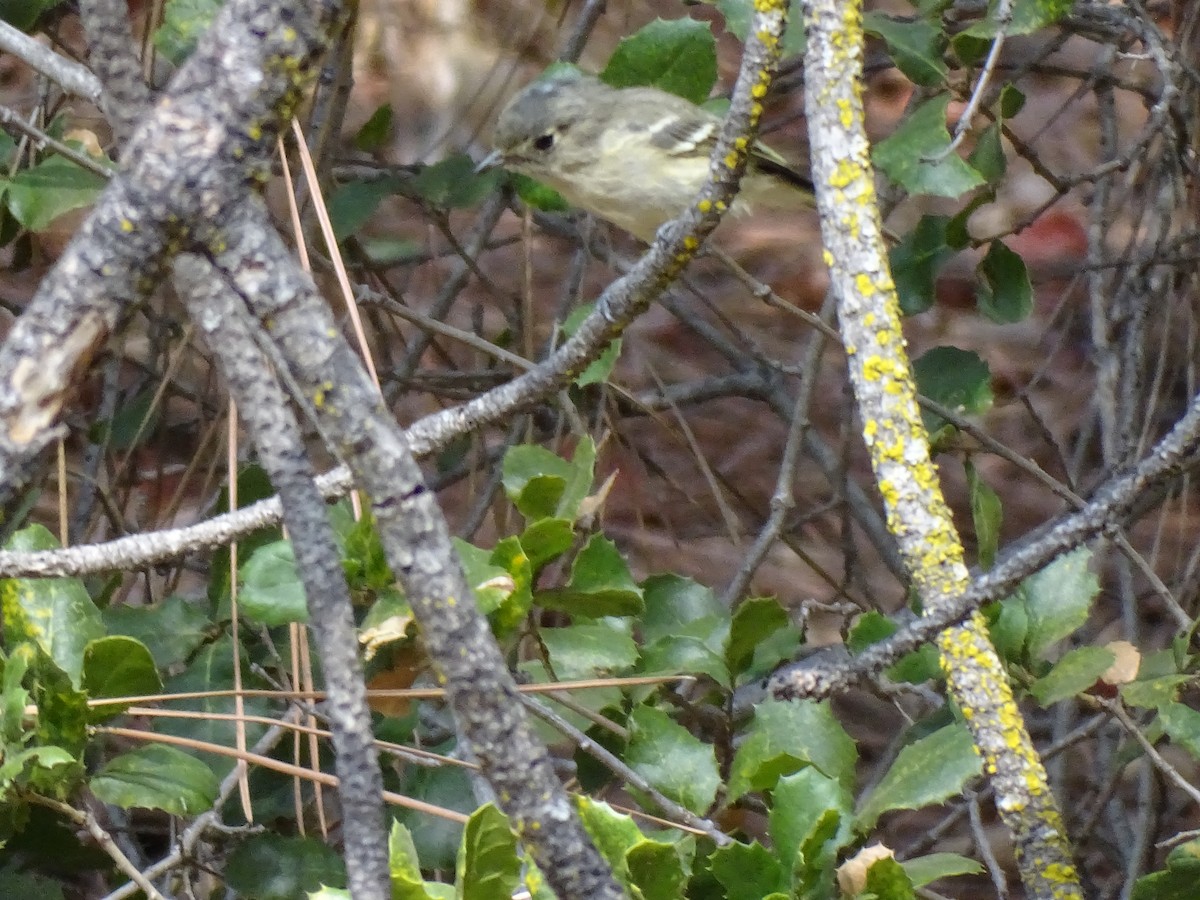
(881, 375)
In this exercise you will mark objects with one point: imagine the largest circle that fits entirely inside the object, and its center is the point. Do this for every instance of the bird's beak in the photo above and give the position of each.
(491, 161)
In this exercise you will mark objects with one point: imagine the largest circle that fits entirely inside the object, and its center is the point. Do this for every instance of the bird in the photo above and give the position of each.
(634, 156)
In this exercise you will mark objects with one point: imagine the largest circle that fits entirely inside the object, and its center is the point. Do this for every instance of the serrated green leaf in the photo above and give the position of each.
(786, 737)
(118, 667)
(927, 771)
(600, 584)
(1057, 599)
(915, 156)
(488, 866)
(679, 56)
(925, 870)
(672, 759)
(56, 614)
(1005, 293)
(687, 654)
(157, 777)
(535, 480)
(1077, 671)
(276, 867)
(915, 45)
(755, 619)
(615, 834)
(916, 261)
(748, 871)
(674, 602)
(809, 820)
(271, 590)
(586, 651)
(657, 870)
(987, 514)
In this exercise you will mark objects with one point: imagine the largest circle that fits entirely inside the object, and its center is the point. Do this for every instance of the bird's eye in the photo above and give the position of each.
(543, 142)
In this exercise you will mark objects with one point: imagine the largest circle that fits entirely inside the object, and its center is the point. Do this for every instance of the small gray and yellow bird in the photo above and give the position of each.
(635, 156)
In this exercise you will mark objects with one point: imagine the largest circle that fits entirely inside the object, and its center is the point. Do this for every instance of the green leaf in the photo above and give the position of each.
(1005, 293)
(1057, 599)
(748, 871)
(272, 592)
(916, 261)
(376, 131)
(171, 630)
(1177, 881)
(28, 885)
(183, 23)
(491, 584)
(615, 834)
(537, 195)
(488, 866)
(353, 203)
(915, 156)
(739, 14)
(23, 15)
(1077, 671)
(587, 651)
(404, 866)
(925, 772)
(274, 867)
(915, 46)
(535, 480)
(1028, 16)
(511, 557)
(888, 880)
(211, 669)
(546, 539)
(987, 513)
(1182, 725)
(925, 870)
(679, 56)
(600, 584)
(454, 184)
(1011, 101)
(755, 619)
(56, 614)
(157, 777)
(601, 367)
(957, 379)
(988, 156)
(786, 737)
(696, 653)
(657, 869)
(118, 667)
(674, 602)
(809, 820)
(674, 761)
